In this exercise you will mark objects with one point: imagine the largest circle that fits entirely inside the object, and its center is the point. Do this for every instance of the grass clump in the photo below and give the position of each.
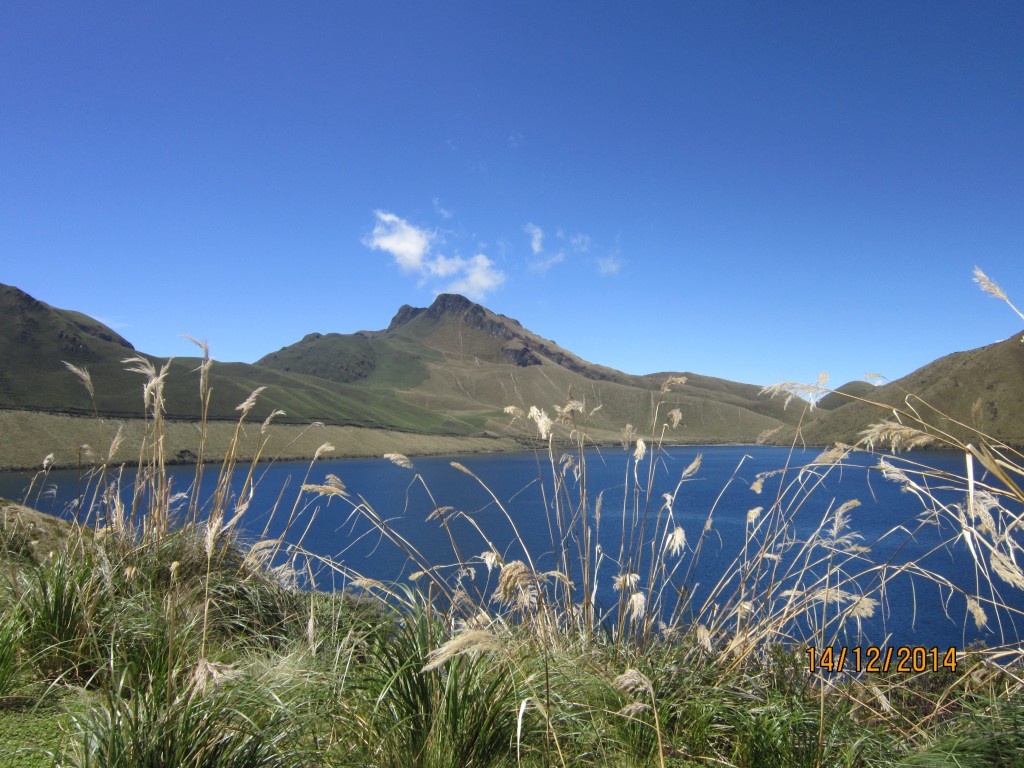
(174, 718)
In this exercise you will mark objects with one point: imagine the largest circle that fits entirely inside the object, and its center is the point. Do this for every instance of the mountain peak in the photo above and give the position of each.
(444, 304)
(404, 314)
(450, 304)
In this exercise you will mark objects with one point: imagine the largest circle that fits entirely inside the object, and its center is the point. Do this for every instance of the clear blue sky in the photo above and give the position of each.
(758, 191)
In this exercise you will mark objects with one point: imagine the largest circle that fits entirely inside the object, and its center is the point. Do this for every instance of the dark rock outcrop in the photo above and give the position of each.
(523, 356)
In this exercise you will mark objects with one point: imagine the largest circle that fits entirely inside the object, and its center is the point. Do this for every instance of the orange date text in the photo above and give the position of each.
(901, 659)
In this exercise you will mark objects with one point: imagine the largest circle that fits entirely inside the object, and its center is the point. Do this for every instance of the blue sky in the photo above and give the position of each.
(758, 191)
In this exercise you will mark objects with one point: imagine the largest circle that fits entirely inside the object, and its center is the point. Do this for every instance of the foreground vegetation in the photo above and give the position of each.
(148, 633)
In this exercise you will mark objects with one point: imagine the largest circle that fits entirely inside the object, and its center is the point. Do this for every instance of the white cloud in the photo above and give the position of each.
(408, 244)
(609, 265)
(411, 248)
(443, 266)
(480, 278)
(536, 237)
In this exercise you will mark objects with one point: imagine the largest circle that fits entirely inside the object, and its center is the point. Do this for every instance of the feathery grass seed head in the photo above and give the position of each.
(491, 559)
(637, 606)
(640, 451)
(672, 381)
(1006, 569)
(988, 286)
(542, 420)
(676, 541)
(467, 641)
(266, 422)
(633, 681)
(626, 582)
(675, 417)
(250, 402)
(399, 460)
(324, 448)
(83, 376)
(977, 612)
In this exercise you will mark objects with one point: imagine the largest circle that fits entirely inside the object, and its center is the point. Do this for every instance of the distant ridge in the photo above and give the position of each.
(981, 388)
(459, 357)
(452, 367)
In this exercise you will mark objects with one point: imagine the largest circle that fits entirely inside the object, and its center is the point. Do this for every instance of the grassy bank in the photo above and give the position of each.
(28, 436)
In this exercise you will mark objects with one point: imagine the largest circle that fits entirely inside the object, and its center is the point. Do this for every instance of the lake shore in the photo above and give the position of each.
(30, 436)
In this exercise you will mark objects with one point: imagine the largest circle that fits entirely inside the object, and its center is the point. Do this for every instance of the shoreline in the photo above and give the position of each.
(29, 437)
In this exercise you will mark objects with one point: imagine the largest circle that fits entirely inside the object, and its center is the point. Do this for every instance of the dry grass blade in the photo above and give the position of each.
(988, 286)
(399, 459)
(810, 394)
(83, 376)
(250, 402)
(467, 641)
(899, 437)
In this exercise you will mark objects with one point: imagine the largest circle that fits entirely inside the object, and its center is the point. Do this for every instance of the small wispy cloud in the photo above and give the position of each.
(411, 247)
(609, 265)
(536, 237)
(543, 265)
(580, 242)
(515, 140)
(440, 210)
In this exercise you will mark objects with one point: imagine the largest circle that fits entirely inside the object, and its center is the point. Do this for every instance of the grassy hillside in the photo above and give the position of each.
(450, 370)
(959, 394)
(459, 358)
(37, 339)
(846, 393)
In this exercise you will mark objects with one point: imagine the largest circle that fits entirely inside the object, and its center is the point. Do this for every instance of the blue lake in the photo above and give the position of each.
(913, 612)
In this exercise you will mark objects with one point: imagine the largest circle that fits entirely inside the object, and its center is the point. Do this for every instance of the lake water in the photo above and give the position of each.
(913, 613)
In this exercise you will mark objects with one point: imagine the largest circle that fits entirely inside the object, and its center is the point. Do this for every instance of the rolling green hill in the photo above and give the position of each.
(460, 358)
(449, 370)
(37, 339)
(980, 388)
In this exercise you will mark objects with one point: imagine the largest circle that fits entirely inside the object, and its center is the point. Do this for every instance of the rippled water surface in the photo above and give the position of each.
(914, 611)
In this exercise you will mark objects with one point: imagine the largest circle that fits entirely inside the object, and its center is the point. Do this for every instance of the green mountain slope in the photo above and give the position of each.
(982, 388)
(460, 358)
(36, 339)
(446, 369)
(452, 367)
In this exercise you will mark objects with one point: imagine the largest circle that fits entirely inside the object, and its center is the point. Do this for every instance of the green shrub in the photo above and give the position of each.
(58, 611)
(10, 641)
(181, 719)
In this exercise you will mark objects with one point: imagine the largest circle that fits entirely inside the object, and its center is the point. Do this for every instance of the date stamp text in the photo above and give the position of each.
(902, 659)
